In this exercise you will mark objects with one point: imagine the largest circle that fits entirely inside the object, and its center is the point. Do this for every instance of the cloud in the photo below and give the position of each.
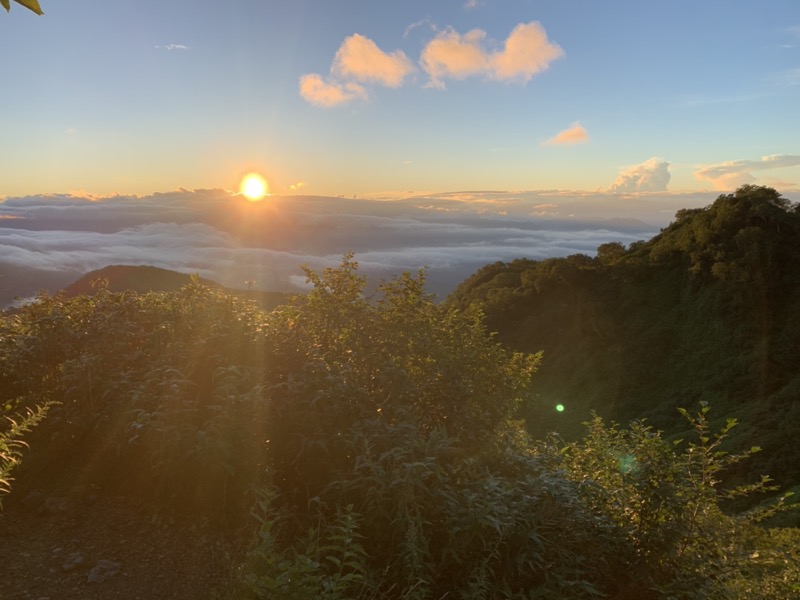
(171, 47)
(49, 241)
(692, 100)
(732, 174)
(575, 134)
(526, 52)
(650, 176)
(454, 55)
(473, 4)
(360, 58)
(426, 22)
(314, 89)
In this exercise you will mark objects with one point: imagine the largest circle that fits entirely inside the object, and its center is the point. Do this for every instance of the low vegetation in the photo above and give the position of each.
(375, 444)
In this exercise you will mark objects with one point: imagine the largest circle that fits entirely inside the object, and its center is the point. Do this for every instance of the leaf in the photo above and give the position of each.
(29, 4)
(6, 4)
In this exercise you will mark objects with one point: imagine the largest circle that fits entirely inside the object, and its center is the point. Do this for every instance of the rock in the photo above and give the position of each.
(74, 560)
(103, 570)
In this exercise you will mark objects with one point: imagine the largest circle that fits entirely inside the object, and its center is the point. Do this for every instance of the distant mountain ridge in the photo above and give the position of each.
(145, 278)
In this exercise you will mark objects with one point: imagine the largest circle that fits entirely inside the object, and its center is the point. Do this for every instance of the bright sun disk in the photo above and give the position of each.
(253, 187)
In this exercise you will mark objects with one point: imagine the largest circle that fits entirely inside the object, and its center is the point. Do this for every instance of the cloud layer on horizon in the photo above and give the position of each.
(225, 238)
(732, 174)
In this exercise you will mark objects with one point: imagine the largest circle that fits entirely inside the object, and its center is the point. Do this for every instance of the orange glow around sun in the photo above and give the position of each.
(253, 187)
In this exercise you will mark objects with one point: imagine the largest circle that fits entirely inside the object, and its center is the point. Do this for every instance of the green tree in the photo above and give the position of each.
(610, 252)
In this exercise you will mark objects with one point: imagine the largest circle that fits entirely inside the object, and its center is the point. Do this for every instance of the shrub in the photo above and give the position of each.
(664, 499)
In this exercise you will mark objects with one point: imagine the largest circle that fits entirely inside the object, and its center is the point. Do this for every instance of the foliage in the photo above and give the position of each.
(11, 443)
(166, 384)
(705, 311)
(29, 4)
(378, 438)
(326, 563)
(665, 500)
(340, 364)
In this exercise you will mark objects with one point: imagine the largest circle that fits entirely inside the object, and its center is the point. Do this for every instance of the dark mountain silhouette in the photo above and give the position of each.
(144, 278)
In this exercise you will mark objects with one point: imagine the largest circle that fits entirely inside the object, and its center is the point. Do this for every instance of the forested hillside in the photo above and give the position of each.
(708, 310)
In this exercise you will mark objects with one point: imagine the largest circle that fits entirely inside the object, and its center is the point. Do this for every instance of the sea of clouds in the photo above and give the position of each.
(48, 241)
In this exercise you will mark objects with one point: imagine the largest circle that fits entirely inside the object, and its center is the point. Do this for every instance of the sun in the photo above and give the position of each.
(254, 187)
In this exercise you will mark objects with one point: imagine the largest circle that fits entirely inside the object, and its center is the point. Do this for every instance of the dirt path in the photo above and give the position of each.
(81, 545)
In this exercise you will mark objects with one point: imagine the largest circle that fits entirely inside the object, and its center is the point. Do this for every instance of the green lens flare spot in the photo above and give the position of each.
(560, 407)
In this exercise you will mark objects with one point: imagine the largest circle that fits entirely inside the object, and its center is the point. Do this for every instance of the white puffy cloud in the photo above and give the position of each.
(314, 89)
(732, 174)
(650, 176)
(449, 55)
(526, 52)
(360, 58)
(727, 175)
(453, 55)
(575, 134)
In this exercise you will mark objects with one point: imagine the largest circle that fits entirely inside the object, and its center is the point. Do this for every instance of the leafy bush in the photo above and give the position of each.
(665, 501)
(168, 386)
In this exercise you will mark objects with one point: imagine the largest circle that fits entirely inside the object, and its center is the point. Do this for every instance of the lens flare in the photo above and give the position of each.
(560, 407)
(253, 187)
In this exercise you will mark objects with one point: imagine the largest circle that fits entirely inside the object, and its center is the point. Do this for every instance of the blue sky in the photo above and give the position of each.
(388, 98)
